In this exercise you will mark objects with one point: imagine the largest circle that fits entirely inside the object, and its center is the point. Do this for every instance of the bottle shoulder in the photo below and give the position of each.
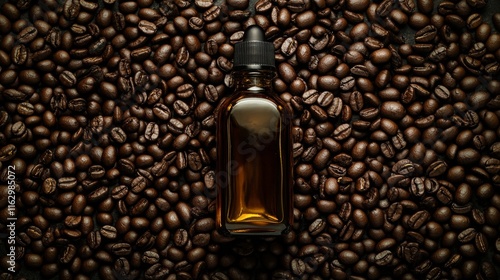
(251, 99)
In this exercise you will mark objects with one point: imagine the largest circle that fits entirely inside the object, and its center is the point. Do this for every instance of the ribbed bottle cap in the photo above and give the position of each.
(254, 53)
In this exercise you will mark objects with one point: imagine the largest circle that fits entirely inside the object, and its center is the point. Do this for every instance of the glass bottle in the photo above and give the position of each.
(254, 159)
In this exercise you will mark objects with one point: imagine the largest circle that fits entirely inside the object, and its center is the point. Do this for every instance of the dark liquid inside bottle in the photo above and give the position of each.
(253, 144)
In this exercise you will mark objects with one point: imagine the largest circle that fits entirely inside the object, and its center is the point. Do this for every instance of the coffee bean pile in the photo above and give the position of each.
(107, 116)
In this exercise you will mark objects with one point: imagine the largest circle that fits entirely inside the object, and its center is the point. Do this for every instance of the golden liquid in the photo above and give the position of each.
(253, 150)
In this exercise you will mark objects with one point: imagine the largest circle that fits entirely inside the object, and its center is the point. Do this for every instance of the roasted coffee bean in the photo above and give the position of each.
(298, 267)
(348, 257)
(384, 8)
(381, 56)
(325, 98)
(118, 135)
(357, 5)
(7, 152)
(417, 187)
(425, 6)
(384, 258)
(238, 4)
(181, 108)
(68, 254)
(14, 95)
(152, 131)
(97, 195)
(147, 27)
(481, 243)
(467, 235)
(150, 257)
(444, 195)
(108, 232)
(94, 239)
(317, 227)
(289, 46)
(342, 132)
(196, 23)
(27, 35)
(426, 34)
(407, 5)
(67, 78)
(120, 249)
(71, 9)
(263, 6)
(211, 93)
(418, 219)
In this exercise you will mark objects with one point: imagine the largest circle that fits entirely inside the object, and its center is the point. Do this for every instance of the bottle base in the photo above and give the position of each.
(253, 230)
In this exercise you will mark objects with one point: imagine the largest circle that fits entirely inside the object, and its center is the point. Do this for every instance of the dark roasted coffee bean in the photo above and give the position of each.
(152, 131)
(150, 257)
(181, 108)
(263, 6)
(325, 98)
(442, 92)
(7, 152)
(298, 267)
(289, 47)
(238, 4)
(196, 23)
(489, 270)
(182, 56)
(97, 195)
(417, 187)
(147, 27)
(94, 239)
(348, 257)
(481, 242)
(71, 9)
(407, 5)
(121, 249)
(418, 219)
(357, 5)
(477, 3)
(496, 20)
(384, 258)
(381, 56)
(67, 183)
(384, 8)
(467, 235)
(161, 111)
(68, 254)
(108, 232)
(138, 184)
(426, 34)
(19, 54)
(425, 6)
(67, 78)
(347, 83)
(437, 168)
(342, 132)
(317, 227)
(27, 35)
(444, 195)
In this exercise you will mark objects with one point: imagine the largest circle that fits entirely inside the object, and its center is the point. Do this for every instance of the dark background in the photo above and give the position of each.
(493, 6)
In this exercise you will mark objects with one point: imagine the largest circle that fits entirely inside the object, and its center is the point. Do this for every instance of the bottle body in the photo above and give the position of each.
(254, 162)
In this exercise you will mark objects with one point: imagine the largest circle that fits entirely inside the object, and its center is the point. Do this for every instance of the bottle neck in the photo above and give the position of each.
(253, 80)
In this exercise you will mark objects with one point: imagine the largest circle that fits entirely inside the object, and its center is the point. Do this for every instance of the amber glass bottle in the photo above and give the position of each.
(254, 162)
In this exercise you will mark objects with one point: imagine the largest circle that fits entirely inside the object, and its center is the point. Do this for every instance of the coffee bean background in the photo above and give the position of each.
(107, 114)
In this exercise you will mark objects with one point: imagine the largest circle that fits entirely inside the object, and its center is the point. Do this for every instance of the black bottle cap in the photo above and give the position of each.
(254, 53)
